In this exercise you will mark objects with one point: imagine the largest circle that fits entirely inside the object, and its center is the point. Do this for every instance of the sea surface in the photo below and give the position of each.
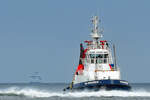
(53, 91)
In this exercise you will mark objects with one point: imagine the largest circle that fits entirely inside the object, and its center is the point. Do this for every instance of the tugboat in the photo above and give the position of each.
(97, 67)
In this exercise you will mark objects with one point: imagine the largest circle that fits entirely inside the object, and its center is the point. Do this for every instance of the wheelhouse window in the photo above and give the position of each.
(92, 55)
(99, 58)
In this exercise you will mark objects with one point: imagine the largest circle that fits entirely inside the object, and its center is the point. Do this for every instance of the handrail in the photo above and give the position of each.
(106, 70)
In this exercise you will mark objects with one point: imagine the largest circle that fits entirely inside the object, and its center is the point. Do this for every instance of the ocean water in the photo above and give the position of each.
(53, 91)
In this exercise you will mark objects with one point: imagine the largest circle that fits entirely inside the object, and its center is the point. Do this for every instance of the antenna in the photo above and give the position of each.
(96, 33)
(115, 60)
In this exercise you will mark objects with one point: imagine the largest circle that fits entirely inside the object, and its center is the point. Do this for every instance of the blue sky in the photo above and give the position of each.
(44, 36)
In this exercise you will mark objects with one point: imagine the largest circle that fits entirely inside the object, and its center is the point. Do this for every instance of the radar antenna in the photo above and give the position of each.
(96, 33)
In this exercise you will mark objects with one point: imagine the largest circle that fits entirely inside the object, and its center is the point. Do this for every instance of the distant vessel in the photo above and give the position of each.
(35, 78)
(97, 67)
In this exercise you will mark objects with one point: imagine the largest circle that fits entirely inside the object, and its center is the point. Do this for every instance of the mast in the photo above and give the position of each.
(96, 34)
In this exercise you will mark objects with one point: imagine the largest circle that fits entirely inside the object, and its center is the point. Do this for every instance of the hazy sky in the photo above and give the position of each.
(44, 36)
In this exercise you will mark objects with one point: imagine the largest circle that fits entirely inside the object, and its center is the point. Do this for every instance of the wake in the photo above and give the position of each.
(43, 93)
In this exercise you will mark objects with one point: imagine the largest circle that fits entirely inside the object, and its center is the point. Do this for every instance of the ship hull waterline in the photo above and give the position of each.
(97, 85)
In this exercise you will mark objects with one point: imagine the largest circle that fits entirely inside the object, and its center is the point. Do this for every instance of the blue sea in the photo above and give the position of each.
(53, 91)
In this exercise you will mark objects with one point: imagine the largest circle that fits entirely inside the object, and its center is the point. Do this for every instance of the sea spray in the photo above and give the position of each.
(30, 92)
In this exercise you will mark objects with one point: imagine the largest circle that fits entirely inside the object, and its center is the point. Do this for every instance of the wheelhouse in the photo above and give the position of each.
(99, 57)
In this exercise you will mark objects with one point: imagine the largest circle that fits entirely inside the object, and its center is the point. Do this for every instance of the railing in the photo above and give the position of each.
(91, 46)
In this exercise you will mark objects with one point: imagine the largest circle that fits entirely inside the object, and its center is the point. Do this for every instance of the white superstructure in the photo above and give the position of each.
(97, 59)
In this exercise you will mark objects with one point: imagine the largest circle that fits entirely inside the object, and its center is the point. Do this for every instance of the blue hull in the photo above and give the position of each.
(97, 85)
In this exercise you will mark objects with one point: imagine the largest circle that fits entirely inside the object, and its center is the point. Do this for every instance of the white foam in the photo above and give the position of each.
(42, 93)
